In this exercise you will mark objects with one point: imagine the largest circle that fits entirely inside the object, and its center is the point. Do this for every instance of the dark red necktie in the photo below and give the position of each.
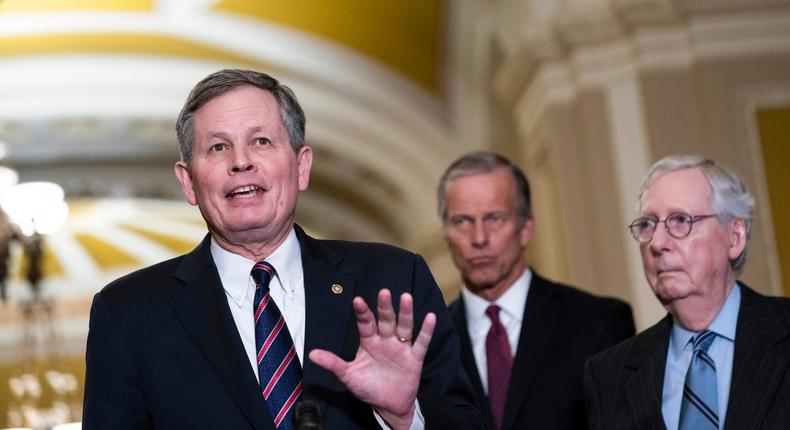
(500, 363)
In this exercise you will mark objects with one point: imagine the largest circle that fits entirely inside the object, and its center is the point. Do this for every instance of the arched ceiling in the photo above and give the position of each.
(405, 36)
(89, 91)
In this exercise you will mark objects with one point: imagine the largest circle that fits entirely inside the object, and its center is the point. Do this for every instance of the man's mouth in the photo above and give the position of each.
(667, 272)
(244, 192)
(481, 261)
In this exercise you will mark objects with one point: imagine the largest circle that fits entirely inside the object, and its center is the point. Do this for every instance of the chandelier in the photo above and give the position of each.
(43, 389)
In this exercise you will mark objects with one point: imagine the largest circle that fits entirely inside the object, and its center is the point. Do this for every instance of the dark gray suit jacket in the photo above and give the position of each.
(562, 327)
(624, 384)
(164, 351)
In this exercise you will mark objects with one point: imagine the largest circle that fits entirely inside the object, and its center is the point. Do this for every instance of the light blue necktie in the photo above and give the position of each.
(699, 409)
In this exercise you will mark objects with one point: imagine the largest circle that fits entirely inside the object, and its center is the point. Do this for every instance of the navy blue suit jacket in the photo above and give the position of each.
(624, 384)
(562, 327)
(164, 353)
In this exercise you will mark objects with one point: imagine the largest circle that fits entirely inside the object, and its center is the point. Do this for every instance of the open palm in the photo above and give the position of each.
(386, 370)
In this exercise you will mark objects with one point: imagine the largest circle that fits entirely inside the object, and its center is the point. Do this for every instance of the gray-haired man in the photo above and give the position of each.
(721, 358)
(260, 316)
(524, 338)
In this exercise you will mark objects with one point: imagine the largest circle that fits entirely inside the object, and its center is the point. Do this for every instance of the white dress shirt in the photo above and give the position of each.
(511, 315)
(286, 289)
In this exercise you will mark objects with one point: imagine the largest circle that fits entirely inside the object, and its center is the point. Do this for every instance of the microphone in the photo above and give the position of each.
(307, 416)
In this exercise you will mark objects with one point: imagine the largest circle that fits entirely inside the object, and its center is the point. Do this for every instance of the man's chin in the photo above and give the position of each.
(253, 231)
(479, 283)
(669, 294)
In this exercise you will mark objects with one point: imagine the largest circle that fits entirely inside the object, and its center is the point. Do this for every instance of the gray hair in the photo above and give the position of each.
(731, 199)
(485, 162)
(224, 81)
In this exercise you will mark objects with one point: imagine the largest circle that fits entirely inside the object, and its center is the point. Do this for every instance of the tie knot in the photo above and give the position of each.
(262, 273)
(493, 313)
(702, 341)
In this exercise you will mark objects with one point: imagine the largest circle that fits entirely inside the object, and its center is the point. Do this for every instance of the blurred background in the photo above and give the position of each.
(584, 94)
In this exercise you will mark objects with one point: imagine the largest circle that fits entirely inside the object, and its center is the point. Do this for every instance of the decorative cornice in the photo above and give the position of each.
(589, 23)
(646, 34)
(639, 12)
(719, 6)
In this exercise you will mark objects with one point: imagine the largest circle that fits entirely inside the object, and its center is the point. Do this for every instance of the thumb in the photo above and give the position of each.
(329, 361)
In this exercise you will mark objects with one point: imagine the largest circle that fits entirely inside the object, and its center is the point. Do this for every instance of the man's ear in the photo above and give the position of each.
(526, 231)
(185, 178)
(304, 161)
(737, 235)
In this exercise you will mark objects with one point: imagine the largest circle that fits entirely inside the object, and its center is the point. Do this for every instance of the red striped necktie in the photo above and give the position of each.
(279, 370)
(500, 364)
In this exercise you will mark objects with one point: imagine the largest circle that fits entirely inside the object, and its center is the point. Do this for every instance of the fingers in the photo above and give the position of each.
(386, 314)
(388, 325)
(405, 318)
(420, 347)
(330, 362)
(366, 322)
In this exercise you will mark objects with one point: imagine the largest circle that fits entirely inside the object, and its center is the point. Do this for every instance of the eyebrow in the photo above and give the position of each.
(249, 131)
(253, 130)
(669, 211)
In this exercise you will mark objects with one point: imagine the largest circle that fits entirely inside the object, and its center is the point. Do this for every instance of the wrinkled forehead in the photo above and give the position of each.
(684, 190)
(490, 189)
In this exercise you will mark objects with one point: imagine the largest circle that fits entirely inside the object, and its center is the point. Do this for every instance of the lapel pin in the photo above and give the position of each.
(337, 288)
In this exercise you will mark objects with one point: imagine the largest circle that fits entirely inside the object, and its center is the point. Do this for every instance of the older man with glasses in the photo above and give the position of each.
(721, 358)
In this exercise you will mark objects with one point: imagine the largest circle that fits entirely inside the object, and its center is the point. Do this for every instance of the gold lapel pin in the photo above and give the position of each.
(337, 288)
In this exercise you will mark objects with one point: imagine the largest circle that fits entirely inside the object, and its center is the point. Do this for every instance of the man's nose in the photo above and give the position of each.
(479, 234)
(661, 238)
(241, 161)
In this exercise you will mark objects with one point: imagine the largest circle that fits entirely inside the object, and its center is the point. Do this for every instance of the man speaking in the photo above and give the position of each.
(260, 316)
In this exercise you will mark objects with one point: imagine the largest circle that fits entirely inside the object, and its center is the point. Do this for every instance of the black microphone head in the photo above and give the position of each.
(307, 416)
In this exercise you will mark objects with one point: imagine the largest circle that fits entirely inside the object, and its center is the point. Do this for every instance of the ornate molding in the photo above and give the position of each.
(653, 33)
(585, 23)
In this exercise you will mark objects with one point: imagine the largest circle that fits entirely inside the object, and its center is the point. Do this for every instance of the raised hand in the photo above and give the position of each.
(386, 370)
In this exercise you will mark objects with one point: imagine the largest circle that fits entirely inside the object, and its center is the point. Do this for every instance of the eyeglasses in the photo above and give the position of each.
(678, 225)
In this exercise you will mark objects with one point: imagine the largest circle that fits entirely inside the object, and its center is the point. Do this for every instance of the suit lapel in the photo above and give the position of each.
(647, 361)
(203, 310)
(328, 312)
(758, 362)
(537, 329)
(468, 358)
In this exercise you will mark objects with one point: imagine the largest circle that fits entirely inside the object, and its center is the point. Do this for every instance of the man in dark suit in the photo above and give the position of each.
(524, 339)
(220, 337)
(720, 359)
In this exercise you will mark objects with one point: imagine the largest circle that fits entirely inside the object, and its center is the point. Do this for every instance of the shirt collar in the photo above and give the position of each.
(287, 261)
(723, 325)
(726, 321)
(511, 302)
(234, 270)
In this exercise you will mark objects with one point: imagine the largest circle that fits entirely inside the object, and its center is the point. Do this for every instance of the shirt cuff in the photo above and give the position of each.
(417, 422)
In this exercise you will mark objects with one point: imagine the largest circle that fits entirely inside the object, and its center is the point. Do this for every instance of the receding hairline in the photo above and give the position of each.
(711, 192)
(477, 171)
(505, 170)
(235, 90)
(480, 171)
(272, 99)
